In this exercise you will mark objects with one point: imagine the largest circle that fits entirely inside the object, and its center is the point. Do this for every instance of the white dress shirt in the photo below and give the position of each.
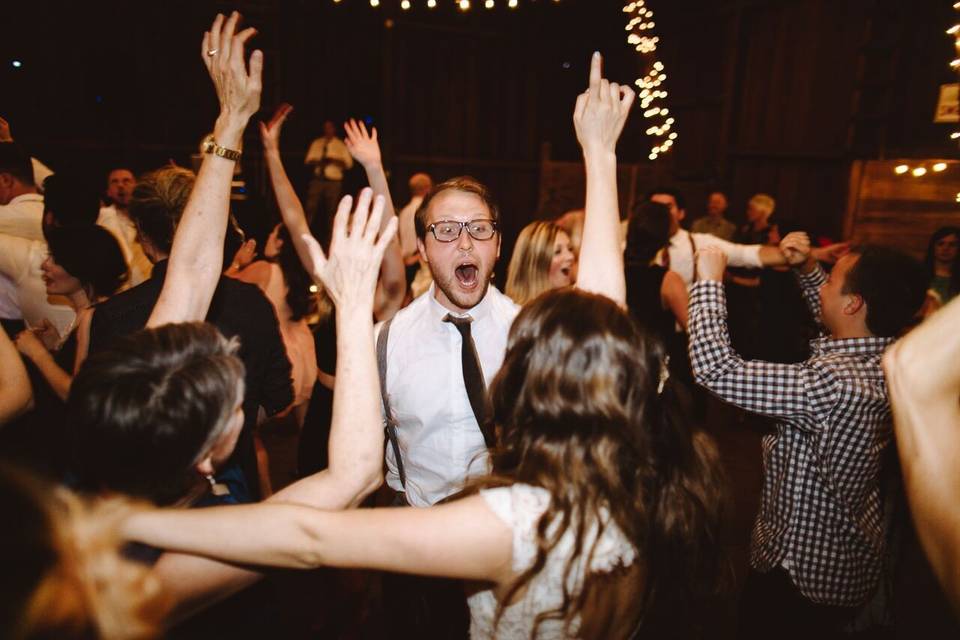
(681, 252)
(20, 261)
(332, 149)
(23, 217)
(125, 232)
(438, 435)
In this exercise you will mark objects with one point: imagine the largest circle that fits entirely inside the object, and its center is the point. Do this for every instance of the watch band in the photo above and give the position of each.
(210, 146)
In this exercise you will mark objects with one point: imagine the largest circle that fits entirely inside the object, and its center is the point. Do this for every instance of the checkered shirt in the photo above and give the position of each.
(820, 513)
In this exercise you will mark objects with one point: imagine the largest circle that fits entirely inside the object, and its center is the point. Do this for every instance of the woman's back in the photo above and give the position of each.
(521, 507)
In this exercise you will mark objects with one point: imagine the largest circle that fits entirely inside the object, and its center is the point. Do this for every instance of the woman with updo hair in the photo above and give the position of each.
(543, 259)
(85, 265)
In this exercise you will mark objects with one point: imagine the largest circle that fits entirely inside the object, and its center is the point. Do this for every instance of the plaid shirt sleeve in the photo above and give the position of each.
(810, 284)
(798, 393)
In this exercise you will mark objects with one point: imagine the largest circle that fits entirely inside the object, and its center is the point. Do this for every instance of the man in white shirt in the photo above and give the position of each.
(438, 434)
(21, 206)
(329, 158)
(679, 256)
(116, 219)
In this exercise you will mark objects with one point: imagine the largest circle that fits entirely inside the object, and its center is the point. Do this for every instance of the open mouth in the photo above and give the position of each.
(565, 271)
(467, 275)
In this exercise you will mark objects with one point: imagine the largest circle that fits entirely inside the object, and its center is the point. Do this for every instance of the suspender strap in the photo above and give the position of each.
(693, 255)
(389, 423)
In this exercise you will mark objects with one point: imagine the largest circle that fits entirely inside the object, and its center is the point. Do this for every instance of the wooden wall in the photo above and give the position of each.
(901, 210)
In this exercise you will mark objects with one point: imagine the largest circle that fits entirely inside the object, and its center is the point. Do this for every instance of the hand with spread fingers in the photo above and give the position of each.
(351, 271)
(601, 111)
(362, 146)
(270, 131)
(238, 88)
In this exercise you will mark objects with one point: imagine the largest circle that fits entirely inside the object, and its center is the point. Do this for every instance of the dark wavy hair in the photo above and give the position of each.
(144, 411)
(91, 255)
(580, 412)
(299, 297)
(929, 260)
(648, 231)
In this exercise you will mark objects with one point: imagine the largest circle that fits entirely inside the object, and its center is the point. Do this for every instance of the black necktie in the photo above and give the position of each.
(472, 375)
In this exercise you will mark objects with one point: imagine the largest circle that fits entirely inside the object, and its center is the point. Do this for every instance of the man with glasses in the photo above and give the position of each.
(444, 348)
(436, 357)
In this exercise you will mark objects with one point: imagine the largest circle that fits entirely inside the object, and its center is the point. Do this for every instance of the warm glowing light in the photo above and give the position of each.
(952, 30)
(431, 4)
(464, 5)
(901, 168)
(512, 4)
(405, 4)
(313, 288)
(488, 4)
(374, 3)
(919, 171)
(940, 166)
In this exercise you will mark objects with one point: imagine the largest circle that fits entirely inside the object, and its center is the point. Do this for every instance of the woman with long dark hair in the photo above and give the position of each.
(599, 514)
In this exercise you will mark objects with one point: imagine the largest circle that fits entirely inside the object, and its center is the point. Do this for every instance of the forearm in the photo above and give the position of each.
(16, 394)
(356, 428)
(393, 275)
(601, 260)
(923, 378)
(196, 258)
(811, 277)
(291, 209)
(272, 534)
(58, 379)
(772, 256)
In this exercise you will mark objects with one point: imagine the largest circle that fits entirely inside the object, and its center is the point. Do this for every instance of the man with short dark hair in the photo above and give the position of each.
(21, 205)
(816, 552)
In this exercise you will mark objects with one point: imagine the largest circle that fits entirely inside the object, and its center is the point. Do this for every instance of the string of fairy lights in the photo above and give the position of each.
(640, 27)
(463, 5)
(661, 125)
(954, 31)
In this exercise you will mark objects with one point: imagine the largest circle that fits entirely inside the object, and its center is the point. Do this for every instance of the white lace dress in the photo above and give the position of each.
(520, 507)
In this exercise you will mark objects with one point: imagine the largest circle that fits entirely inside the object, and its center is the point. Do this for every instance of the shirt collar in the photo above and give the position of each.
(868, 346)
(480, 311)
(27, 197)
(676, 238)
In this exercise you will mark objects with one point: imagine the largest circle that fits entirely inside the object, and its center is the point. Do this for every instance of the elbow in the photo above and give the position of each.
(367, 486)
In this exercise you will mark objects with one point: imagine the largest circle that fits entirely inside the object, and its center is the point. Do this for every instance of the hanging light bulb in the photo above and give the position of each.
(900, 169)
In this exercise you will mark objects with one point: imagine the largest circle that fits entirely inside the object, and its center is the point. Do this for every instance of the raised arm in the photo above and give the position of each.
(598, 118)
(16, 395)
(356, 433)
(196, 258)
(923, 378)
(365, 149)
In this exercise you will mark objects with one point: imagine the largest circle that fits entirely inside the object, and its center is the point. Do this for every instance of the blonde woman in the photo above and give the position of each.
(543, 259)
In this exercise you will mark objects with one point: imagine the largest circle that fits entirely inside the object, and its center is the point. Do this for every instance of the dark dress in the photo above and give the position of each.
(237, 309)
(312, 454)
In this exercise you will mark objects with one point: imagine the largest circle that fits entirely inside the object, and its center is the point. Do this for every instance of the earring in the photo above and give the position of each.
(217, 488)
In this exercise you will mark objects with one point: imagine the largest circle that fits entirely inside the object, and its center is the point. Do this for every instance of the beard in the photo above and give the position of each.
(450, 285)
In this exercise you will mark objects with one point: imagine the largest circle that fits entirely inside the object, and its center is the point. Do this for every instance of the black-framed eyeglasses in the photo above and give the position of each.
(450, 230)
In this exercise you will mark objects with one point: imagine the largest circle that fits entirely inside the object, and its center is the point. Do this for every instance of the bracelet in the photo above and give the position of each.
(210, 146)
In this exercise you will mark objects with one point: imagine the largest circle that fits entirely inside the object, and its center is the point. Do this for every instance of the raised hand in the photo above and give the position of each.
(601, 111)
(270, 131)
(795, 248)
(5, 135)
(363, 146)
(350, 273)
(711, 263)
(245, 254)
(238, 89)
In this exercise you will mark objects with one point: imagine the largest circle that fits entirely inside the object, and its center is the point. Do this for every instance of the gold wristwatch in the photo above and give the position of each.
(210, 145)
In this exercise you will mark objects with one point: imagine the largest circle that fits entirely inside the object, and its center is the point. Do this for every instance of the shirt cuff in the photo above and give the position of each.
(813, 280)
(708, 294)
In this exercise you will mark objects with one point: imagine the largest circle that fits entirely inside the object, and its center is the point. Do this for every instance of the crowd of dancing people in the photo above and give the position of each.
(525, 464)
